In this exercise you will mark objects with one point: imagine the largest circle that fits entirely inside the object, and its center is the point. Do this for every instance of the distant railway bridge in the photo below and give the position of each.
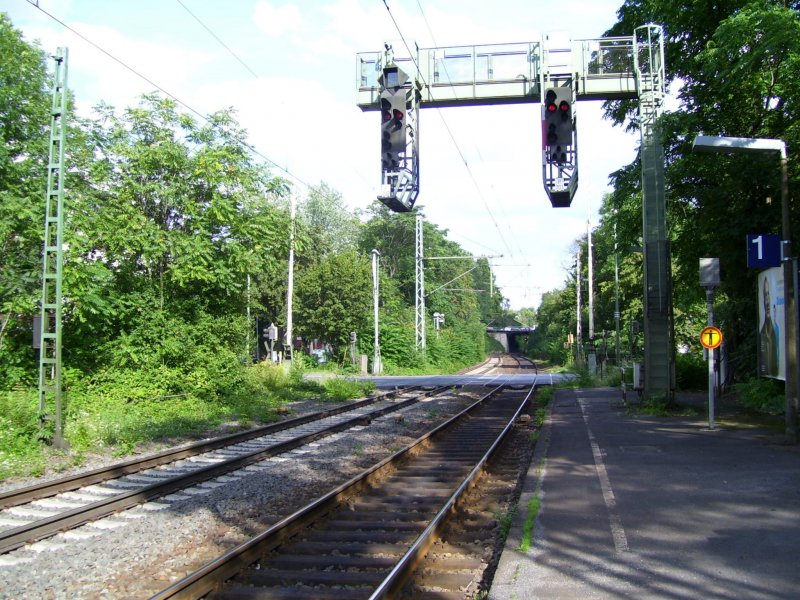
(508, 336)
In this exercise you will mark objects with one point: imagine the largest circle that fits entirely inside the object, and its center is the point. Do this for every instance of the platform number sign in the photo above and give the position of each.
(763, 250)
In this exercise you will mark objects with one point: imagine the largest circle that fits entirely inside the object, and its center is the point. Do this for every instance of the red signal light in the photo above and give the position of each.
(564, 106)
(398, 115)
(551, 107)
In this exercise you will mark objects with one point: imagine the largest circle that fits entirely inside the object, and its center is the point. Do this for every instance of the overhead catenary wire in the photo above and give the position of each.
(455, 95)
(240, 61)
(170, 95)
(216, 37)
(450, 133)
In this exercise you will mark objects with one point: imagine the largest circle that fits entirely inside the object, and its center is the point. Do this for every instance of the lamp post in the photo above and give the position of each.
(377, 367)
(734, 145)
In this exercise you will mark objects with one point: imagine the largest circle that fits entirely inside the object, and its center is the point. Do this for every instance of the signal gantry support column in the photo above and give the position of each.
(659, 347)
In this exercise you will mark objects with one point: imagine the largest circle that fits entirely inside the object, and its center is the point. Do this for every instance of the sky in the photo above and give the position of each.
(289, 70)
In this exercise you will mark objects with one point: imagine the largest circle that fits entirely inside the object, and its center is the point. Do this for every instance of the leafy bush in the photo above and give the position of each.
(125, 407)
(16, 367)
(20, 451)
(544, 394)
(121, 408)
(762, 395)
(691, 371)
(612, 376)
(339, 389)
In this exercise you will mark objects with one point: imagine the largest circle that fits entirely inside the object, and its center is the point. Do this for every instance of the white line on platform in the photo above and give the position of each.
(617, 530)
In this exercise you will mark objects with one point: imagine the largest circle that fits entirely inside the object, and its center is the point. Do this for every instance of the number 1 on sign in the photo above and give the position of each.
(758, 242)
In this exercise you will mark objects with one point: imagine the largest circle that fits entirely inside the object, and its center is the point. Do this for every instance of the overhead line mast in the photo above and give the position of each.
(50, 383)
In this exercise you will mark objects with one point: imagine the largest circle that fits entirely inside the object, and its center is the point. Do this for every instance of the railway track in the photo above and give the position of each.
(364, 538)
(499, 362)
(502, 363)
(461, 562)
(37, 512)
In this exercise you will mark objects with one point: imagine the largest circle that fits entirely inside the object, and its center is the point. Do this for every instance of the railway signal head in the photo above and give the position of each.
(393, 116)
(557, 125)
(393, 128)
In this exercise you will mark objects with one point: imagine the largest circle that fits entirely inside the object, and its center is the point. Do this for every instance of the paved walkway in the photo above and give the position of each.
(646, 507)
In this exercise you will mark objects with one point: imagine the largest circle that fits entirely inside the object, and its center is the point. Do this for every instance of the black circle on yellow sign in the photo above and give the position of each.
(711, 337)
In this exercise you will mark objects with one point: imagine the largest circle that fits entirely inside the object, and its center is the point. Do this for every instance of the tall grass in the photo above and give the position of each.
(119, 411)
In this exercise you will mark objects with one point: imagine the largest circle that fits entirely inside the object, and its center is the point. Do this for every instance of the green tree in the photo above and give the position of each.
(168, 217)
(24, 123)
(331, 228)
(556, 320)
(526, 316)
(334, 297)
(735, 64)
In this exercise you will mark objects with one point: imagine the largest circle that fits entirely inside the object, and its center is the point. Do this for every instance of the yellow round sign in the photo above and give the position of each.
(711, 337)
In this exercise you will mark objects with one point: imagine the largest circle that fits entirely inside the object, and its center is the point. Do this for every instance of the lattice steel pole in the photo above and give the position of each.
(658, 337)
(53, 258)
(377, 368)
(419, 321)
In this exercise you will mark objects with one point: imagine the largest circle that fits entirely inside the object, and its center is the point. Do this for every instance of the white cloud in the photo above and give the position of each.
(277, 20)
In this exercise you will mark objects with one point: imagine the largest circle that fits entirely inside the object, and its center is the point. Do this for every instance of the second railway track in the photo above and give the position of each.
(40, 511)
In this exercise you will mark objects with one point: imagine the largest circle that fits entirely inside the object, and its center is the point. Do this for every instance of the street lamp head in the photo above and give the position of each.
(737, 145)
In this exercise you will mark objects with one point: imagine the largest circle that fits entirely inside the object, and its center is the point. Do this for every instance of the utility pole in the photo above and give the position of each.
(590, 266)
(709, 280)
(249, 324)
(591, 355)
(377, 367)
(616, 291)
(419, 321)
(290, 286)
(578, 341)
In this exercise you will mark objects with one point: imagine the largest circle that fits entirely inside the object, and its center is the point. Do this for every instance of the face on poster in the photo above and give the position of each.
(771, 348)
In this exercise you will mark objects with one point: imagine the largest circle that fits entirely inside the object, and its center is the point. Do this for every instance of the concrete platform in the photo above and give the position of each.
(650, 507)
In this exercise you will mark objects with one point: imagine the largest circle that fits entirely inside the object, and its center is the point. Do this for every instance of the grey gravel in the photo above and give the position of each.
(141, 551)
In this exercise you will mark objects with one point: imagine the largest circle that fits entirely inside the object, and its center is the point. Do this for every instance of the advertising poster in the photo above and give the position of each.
(771, 357)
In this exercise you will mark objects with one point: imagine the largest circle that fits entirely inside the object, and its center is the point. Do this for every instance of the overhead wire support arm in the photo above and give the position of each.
(451, 281)
(471, 257)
